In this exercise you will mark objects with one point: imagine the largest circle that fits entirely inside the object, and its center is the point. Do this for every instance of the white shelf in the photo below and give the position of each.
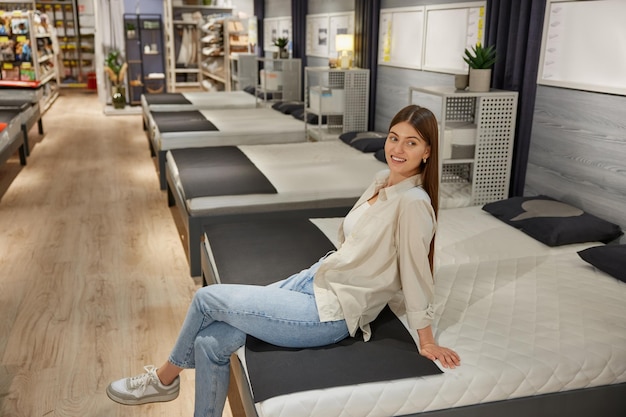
(341, 96)
(490, 117)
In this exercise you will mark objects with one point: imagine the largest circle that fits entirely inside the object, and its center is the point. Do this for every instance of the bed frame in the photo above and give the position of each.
(192, 232)
(14, 144)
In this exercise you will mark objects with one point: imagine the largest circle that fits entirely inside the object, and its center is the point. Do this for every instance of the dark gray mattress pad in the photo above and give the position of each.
(166, 98)
(217, 171)
(15, 104)
(6, 115)
(182, 121)
(261, 252)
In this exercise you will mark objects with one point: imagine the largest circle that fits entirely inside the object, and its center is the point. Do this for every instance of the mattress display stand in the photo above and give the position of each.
(279, 79)
(476, 135)
(339, 99)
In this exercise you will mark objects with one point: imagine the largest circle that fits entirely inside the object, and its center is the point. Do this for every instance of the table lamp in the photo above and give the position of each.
(345, 46)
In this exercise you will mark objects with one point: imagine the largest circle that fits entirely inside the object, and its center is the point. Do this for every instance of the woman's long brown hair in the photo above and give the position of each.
(425, 123)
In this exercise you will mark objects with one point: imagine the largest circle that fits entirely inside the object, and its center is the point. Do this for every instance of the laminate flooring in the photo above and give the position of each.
(94, 282)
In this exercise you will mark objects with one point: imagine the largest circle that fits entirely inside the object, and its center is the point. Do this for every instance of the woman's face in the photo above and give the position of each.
(405, 149)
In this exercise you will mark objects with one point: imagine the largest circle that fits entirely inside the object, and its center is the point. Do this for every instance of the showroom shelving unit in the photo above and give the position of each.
(144, 54)
(476, 138)
(77, 50)
(339, 98)
(27, 53)
(188, 21)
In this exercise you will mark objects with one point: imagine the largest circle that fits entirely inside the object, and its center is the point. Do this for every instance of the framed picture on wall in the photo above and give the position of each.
(449, 29)
(583, 46)
(274, 28)
(401, 37)
(339, 24)
(317, 35)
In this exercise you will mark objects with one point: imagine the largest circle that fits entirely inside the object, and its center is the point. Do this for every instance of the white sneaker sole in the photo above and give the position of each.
(144, 400)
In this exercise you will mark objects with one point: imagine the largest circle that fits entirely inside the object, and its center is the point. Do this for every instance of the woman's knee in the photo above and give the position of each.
(218, 342)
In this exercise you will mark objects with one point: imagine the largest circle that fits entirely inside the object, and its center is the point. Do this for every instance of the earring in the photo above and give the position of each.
(424, 160)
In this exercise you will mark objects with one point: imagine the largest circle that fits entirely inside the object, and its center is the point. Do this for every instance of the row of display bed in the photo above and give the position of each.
(540, 331)
(19, 111)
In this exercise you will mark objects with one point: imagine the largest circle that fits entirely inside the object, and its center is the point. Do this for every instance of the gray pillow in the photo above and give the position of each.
(365, 141)
(610, 259)
(552, 222)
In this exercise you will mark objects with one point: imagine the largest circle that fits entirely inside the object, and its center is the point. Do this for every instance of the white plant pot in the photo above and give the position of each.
(479, 80)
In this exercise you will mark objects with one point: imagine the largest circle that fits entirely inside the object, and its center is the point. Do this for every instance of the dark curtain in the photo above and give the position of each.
(515, 28)
(366, 14)
(298, 33)
(259, 12)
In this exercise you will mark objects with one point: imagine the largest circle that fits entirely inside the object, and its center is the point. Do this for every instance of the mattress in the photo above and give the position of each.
(194, 101)
(197, 100)
(300, 172)
(527, 320)
(522, 326)
(234, 127)
(471, 235)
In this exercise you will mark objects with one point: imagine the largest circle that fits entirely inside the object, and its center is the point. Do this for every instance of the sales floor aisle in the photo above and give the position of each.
(94, 282)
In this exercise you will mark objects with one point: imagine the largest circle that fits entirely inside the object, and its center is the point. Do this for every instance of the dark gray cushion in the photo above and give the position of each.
(365, 141)
(380, 155)
(552, 222)
(610, 259)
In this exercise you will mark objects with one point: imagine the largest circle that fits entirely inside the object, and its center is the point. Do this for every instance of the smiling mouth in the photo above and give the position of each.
(395, 158)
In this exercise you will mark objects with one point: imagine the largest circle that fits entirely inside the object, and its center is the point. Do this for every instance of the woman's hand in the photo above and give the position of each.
(447, 357)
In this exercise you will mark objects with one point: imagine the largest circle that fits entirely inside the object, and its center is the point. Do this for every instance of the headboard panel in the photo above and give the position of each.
(578, 151)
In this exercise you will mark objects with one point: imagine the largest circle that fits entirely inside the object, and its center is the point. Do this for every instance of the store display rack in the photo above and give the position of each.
(476, 138)
(338, 98)
(184, 25)
(27, 52)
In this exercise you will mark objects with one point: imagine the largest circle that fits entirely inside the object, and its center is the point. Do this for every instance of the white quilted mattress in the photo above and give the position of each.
(206, 100)
(526, 320)
(235, 127)
(470, 234)
(300, 172)
(202, 100)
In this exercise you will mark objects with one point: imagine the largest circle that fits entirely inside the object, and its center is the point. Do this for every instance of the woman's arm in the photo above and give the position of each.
(431, 350)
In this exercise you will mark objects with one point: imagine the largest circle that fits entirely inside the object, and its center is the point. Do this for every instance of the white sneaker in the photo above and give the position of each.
(142, 389)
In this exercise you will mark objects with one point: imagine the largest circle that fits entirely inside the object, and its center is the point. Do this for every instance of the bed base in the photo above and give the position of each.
(35, 117)
(193, 223)
(15, 144)
(604, 401)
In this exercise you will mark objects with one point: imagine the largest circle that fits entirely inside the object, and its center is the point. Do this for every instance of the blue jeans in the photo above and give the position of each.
(220, 317)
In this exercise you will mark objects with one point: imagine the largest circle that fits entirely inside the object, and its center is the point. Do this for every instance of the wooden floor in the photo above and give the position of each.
(94, 282)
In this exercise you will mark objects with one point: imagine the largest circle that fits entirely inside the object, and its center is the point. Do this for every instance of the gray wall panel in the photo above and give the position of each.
(393, 90)
(277, 8)
(578, 151)
(330, 6)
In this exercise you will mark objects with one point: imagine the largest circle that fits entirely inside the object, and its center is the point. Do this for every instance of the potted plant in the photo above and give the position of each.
(130, 30)
(282, 43)
(116, 70)
(480, 61)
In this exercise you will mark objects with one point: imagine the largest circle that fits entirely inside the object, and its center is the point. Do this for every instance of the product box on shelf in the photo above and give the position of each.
(459, 140)
(326, 100)
(271, 80)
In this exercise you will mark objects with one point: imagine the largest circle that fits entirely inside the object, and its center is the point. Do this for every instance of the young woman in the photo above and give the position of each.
(386, 257)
